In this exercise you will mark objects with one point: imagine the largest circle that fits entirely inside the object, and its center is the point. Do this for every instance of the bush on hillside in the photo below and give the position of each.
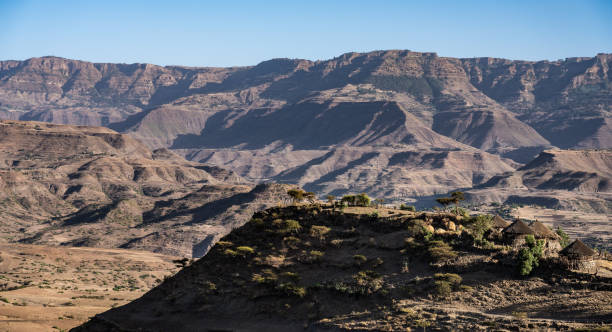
(479, 225)
(319, 232)
(440, 251)
(563, 237)
(529, 256)
(446, 283)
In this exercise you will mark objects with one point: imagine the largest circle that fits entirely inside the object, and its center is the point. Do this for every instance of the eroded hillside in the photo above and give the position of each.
(569, 179)
(91, 186)
(305, 122)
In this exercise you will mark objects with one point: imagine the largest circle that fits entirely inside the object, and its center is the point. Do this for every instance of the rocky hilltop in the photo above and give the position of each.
(318, 268)
(91, 186)
(305, 122)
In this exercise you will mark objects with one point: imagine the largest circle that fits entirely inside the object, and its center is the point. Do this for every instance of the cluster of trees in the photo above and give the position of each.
(299, 195)
(356, 200)
(455, 198)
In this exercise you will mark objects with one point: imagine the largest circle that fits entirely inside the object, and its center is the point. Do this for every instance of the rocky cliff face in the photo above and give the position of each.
(272, 120)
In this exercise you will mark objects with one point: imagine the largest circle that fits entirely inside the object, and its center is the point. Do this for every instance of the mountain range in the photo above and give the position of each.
(395, 124)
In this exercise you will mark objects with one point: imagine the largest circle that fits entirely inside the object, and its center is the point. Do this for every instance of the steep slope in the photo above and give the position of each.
(568, 102)
(317, 269)
(91, 186)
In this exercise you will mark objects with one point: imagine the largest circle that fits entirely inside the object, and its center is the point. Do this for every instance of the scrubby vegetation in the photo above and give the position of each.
(529, 257)
(564, 240)
(309, 262)
(478, 225)
(407, 207)
(356, 200)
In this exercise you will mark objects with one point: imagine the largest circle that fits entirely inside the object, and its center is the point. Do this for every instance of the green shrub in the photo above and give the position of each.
(407, 207)
(479, 225)
(564, 238)
(452, 278)
(465, 288)
(360, 259)
(319, 232)
(292, 226)
(442, 288)
(440, 251)
(291, 289)
(245, 251)
(230, 252)
(529, 256)
(286, 226)
(292, 241)
(297, 195)
(224, 244)
(362, 200)
(266, 276)
(463, 212)
(445, 283)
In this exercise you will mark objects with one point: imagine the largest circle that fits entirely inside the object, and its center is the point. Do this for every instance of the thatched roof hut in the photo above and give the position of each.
(578, 250)
(499, 222)
(543, 232)
(578, 256)
(518, 228)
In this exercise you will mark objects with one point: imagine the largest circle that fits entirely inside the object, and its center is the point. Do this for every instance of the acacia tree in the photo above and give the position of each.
(297, 195)
(310, 197)
(379, 202)
(444, 201)
(330, 199)
(349, 199)
(362, 199)
(457, 197)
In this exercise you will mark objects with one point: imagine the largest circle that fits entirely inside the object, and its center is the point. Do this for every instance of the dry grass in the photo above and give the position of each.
(46, 287)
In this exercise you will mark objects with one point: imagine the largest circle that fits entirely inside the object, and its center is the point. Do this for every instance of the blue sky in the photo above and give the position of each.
(226, 33)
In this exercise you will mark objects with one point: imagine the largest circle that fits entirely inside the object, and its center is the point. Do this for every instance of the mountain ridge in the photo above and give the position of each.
(287, 113)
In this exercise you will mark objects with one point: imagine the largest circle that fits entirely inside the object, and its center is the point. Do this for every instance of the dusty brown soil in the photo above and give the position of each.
(55, 288)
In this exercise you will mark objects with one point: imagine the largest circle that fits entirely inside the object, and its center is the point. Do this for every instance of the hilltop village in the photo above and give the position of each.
(353, 264)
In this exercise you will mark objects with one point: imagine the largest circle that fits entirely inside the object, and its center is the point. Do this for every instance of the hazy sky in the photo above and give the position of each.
(225, 33)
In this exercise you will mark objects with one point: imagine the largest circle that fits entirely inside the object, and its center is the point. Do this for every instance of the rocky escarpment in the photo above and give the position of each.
(91, 186)
(286, 115)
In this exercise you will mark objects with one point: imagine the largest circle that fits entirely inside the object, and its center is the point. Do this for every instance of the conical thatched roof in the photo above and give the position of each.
(542, 231)
(499, 222)
(578, 249)
(518, 228)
